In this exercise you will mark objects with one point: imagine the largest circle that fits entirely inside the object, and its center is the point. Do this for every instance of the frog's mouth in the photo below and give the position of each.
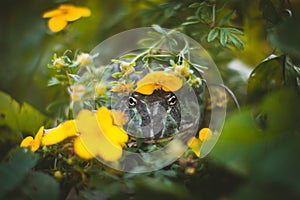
(153, 124)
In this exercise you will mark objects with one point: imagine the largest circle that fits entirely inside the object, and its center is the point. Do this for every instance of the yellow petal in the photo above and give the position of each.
(92, 136)
(170, 82)
(27, 142)
(68, 12)
(195, 144)
(205, 134)
(52, 13)
(60, 133)
(158, 80)
(72, 13)
(37, 140)
(57, 24)
(72, 16)
(196, 151)
(103, 115)
(84, 12)
(80, 149)
(146, 89)
(114, 133)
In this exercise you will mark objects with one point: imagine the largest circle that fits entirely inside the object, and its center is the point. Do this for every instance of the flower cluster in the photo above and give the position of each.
(97, 134)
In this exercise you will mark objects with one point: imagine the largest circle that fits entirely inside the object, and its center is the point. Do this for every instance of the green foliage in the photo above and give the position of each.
(18, 181)
(266, 77)
(17, 120)
(263, 153)
(19, 117)
(257, 155)
(39, 186)
(285, 36)
(271, 75)
(11, 173)
(205, 13)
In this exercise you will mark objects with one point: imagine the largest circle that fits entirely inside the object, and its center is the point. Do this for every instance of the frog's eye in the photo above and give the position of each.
(172, 100)
(132, 102)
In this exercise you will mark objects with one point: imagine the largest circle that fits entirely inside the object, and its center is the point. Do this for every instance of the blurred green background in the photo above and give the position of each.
(257, 155)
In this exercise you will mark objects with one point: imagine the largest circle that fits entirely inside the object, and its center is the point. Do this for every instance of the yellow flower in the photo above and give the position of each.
(77, 91)
(127, 67)
(122, 88)
(98, 133)
(196, 142)
(100, 88)
(60, 133)
(95, 134)
(183, 69)
(157, 81)
(65, 13)
(58, 63)
(84, 59)
(35, 143)
(196, 82)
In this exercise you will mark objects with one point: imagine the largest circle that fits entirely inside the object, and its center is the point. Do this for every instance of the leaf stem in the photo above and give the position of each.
(213, 15)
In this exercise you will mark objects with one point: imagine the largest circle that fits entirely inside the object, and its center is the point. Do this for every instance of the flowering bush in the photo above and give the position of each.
(71, 139)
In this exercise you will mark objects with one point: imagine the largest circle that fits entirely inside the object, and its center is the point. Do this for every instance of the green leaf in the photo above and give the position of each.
(19, 117)
(223, 37)
(167, 173)
(265, 78)
(236, 41)
(40, 186)
(156, 188)
(129, 55)
(240, 142)
(269, 11)
(285, 36)
(169, 12)
(158, 29)
(282, 165)
(14, 171)
(233, 30)
(53, 81)
(117, 74)
(190, 23)
(226, 18)
(212, 34)
(291, 75)
(283, 111)
(194, 5)
(270, 156)
(192, 18)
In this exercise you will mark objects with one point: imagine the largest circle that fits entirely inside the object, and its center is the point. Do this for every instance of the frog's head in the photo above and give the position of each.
(153, 116)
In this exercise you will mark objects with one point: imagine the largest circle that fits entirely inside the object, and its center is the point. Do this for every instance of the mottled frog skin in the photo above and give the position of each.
(153, 116)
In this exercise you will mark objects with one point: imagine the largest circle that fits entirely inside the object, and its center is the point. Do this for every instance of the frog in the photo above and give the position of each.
(153, 116)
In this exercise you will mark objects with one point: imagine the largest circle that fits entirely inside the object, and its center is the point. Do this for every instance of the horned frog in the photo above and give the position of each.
(157, 115)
